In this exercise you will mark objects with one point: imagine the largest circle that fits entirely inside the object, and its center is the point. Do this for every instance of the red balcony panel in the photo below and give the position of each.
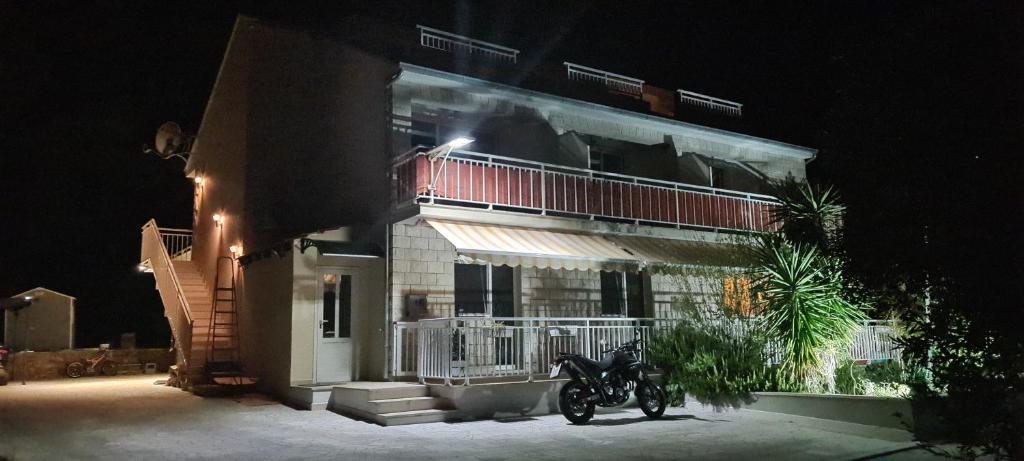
(500, 183)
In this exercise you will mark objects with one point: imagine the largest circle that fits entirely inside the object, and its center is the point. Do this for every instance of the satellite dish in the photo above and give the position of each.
(171, 141)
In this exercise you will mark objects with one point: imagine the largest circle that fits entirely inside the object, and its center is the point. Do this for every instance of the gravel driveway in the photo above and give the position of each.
(131, 418)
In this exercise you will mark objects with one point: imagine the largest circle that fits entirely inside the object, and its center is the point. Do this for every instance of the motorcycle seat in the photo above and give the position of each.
(603, 364)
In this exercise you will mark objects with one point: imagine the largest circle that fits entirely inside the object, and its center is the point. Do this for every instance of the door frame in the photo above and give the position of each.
(353, 272)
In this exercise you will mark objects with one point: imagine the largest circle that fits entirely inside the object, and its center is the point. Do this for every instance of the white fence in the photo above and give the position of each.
(704, 101)
(621, 83)
(458, 350)
(454, 43)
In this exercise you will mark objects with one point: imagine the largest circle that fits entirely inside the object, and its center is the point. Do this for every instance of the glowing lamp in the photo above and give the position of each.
(28, 298)
(218, 218)
(199, 180)
(235, 249)
(459, 142)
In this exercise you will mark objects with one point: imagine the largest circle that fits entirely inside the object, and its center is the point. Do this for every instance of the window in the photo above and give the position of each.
(717, 177)
(482, 289)
(635, 294)
(605, 161)
(736, 297)
(622, 294)
(503, 301)
(470, 289)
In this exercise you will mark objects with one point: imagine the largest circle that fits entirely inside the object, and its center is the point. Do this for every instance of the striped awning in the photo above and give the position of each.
(518, 246)
(652, 251)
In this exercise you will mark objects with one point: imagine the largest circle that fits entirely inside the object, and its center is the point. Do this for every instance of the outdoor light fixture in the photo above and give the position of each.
(28, 298)
(218, 218)
(442, 152)
(199, 180)
(235, 249)
(141, 268)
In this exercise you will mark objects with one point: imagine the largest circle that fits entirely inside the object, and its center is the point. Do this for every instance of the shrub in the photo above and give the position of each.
(714, 365)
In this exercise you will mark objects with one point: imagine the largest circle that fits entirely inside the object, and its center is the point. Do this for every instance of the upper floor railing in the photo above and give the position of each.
(178, 243)
(704, 101)
(621, 83)
(447, 41)
(519, 185)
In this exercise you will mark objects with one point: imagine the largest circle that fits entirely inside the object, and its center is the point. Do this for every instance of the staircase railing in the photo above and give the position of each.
(176, 307)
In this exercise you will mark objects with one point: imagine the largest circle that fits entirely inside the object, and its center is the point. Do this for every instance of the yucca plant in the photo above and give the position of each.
(801, 303)
(807, 214)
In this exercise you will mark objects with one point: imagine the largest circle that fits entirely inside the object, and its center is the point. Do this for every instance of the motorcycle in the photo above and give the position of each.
(4, 375)
(606, 383)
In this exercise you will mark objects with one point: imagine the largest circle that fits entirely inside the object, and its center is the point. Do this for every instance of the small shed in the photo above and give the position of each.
(46, 323)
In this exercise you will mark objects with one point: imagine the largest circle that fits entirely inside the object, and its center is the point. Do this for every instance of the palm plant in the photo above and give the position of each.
(802, 303)
(808, 214)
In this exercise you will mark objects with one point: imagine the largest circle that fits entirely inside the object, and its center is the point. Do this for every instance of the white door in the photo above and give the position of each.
(334, 326)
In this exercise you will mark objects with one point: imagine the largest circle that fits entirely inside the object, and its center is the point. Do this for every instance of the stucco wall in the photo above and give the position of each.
(46, 325)
(265, 288)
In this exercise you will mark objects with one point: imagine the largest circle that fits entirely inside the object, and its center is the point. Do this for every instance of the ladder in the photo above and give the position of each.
(222, 357)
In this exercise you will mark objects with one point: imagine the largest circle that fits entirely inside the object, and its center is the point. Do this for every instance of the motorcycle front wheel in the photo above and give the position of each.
(652, 399)
(572, 401)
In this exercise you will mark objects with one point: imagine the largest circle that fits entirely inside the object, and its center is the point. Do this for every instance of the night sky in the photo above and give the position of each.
(917, 110)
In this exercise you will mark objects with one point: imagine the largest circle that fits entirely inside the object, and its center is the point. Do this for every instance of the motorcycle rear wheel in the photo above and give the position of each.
(572, 403)
(75, 370)
(652, 399)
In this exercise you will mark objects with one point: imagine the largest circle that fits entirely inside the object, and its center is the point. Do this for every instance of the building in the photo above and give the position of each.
(45, 321)
(382, 203)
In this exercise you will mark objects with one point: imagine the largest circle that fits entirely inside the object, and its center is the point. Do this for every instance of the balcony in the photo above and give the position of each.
(494, 182)
(711, 103)
(620, 83)
(454, 43)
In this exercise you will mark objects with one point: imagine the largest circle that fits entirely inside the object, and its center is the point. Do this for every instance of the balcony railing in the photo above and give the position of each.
(621, 83)
(704, 101)
(459, 350)
(454, 43)
(517, 185)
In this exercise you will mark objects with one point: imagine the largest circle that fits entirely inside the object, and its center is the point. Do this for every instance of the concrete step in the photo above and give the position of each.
(415, 417)
(366, 391)
(407, 404)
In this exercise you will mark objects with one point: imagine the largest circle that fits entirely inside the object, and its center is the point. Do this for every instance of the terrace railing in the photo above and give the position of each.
(454, 43)
(460, 350)
(468, 178)
(615, 82)
(704, 101)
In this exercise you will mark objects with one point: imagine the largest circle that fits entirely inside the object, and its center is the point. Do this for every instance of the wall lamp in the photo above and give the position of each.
(219, 219)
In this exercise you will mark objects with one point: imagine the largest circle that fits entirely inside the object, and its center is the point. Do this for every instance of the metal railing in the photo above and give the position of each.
(704, 101)
(620, 83)
(513, 184)
(178, 243)
(459, 350)
(454, 43)
(159, 259)
(873, 341)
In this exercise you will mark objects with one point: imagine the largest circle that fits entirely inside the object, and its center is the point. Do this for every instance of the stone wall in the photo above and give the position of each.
(422, 263)
(560, 293)
(33, 366)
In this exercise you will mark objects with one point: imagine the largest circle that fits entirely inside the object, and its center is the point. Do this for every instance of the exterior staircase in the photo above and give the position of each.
(390, 403)
(187, 300)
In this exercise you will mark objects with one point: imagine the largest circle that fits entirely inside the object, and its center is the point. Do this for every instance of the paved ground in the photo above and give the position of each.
(130, 418)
